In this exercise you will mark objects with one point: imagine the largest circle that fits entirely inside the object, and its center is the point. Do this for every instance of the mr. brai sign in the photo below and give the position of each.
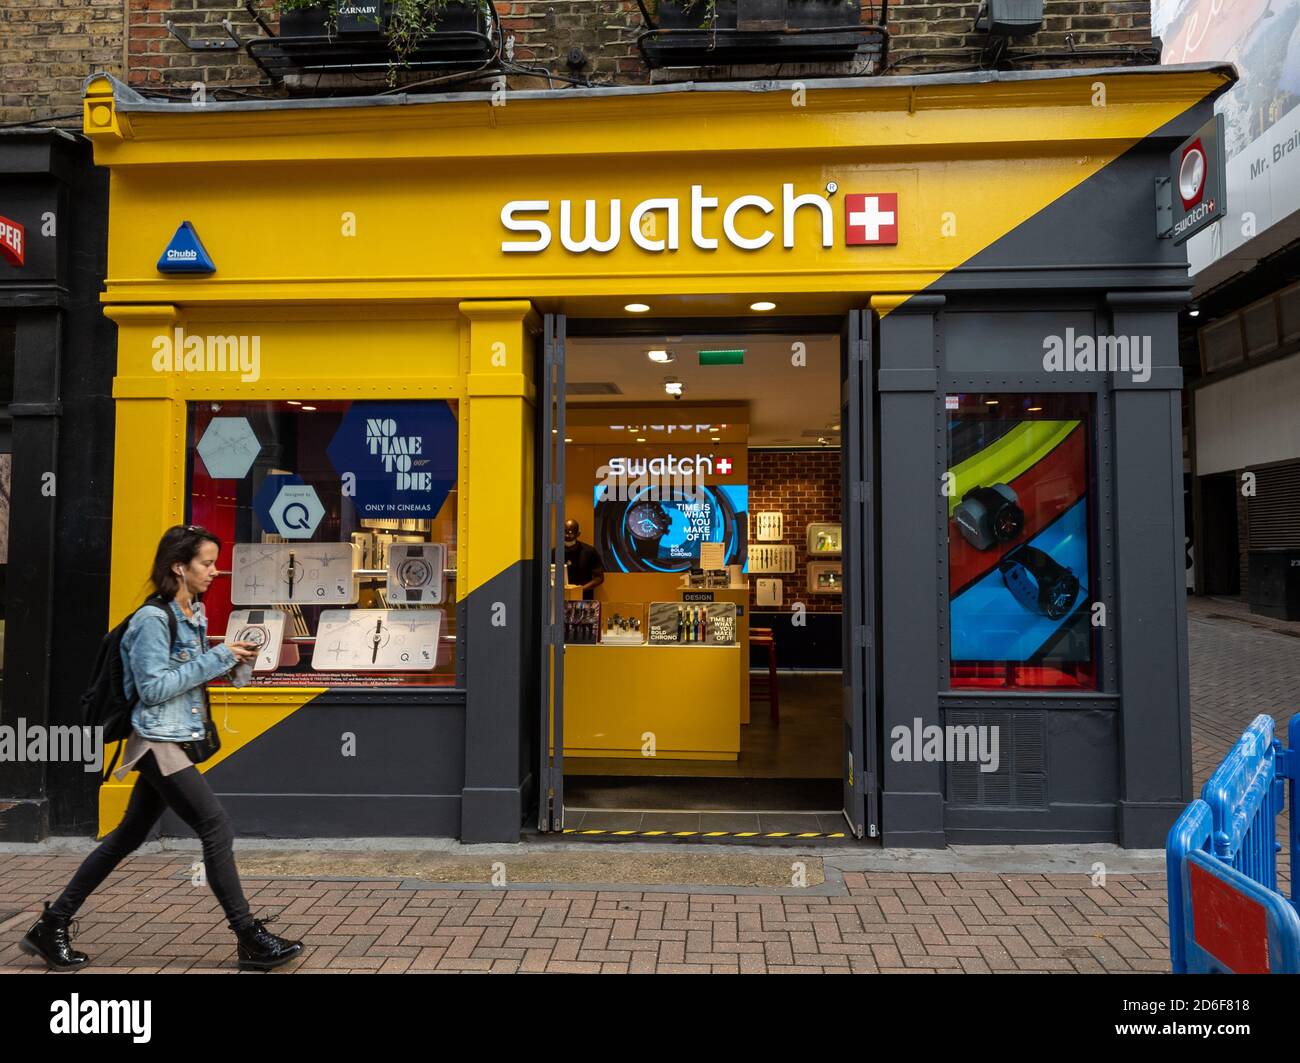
(1194, 195)
(396, 459)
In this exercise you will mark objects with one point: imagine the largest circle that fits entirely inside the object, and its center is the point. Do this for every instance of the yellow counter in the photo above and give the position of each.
(687, 697)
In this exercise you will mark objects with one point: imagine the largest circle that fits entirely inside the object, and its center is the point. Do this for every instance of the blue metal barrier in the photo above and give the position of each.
(1225, 914)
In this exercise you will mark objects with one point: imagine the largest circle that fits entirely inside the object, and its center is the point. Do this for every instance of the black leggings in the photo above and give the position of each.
(188, 794)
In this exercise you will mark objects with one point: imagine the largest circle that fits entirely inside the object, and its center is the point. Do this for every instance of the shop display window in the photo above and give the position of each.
(338, 525)
(1021, 557)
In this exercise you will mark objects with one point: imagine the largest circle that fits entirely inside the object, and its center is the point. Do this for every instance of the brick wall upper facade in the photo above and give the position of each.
(51, 45)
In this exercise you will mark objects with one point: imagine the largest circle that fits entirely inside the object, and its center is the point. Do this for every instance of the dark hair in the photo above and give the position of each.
(178, 545)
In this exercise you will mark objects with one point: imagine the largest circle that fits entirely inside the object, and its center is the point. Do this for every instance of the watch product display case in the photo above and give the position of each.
(825, 577)
(622, 623)
(824, 540)
(581, 622)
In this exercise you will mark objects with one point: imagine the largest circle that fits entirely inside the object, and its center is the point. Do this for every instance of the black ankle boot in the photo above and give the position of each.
(48, 938)
(260, 950)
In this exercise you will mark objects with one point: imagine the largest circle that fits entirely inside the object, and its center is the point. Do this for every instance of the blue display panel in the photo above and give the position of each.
(661, 530)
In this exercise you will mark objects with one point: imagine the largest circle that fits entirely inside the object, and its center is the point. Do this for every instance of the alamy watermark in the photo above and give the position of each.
(179, 353)
(40, 744)
(1083, 353)
(954, 743)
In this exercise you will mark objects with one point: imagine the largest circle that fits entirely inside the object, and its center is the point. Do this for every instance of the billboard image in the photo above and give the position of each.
(661, 530)
(1261, 112)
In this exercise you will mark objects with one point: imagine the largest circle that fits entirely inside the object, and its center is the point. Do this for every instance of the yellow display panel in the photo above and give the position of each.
(687, 697)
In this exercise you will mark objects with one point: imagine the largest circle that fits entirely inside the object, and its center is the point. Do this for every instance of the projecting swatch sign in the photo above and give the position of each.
(396, 459)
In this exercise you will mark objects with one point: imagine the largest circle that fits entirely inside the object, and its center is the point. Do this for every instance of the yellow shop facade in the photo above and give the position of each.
(386, 347)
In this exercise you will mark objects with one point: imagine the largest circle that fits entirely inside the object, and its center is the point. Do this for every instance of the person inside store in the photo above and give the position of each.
(166, 666)
(582, 561)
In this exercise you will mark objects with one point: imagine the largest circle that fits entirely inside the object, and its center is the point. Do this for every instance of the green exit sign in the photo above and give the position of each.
(722, 357)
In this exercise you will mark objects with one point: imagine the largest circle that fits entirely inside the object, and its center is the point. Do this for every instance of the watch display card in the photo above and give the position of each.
(280, 573)
(377, 640)
(416, 574)
(771, 558)
(265, 627)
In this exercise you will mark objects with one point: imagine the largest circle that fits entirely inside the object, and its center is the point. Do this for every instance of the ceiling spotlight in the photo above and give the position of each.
(309, 407)
(640, 439)
(1194, 312)
(662, 357)
(990, 402)
(717, 439)
(764, 305)
(567, 439)
(673, 387)
(637, 308)
(1035, 409)
(291, 402)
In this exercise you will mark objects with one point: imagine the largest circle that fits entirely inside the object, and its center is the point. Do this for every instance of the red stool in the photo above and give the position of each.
(764, 688)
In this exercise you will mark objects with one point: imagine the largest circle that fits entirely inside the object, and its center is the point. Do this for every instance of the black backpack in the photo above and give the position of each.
(105, 704)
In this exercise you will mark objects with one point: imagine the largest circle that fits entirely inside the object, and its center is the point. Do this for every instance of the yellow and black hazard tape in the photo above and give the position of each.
(790, 834)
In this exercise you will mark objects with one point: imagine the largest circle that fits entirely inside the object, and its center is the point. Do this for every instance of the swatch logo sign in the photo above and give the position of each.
(748, 222)
(12, 240)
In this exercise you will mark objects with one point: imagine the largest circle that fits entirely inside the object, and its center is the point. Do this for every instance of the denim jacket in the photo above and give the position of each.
(170, 679)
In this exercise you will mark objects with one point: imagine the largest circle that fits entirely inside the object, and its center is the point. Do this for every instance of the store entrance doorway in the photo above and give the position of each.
(707, 665)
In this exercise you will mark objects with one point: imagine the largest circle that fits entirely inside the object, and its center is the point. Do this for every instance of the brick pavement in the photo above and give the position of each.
(150, 917)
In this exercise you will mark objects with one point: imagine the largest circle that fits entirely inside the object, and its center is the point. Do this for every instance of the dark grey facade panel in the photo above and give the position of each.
(58, 578)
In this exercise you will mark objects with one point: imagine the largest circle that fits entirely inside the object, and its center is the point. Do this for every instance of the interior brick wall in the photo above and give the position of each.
(804, 485)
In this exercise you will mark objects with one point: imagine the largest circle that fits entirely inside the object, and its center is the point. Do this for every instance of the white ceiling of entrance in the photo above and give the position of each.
(789, 404)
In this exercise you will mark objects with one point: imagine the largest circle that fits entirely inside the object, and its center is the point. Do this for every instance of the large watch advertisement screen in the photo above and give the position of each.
(1020, 567)
(658, 529)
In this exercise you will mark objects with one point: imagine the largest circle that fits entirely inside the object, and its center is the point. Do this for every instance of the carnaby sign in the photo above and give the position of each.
(12, 241)
(1197, 184)
(749, 222)
(396, 459)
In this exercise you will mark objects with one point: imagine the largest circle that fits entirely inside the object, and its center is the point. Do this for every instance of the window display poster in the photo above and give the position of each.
(663, 529)
(1018, 547)
(398, 458)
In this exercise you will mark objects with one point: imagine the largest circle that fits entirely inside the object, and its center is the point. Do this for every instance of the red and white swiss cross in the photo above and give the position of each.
(870, 218)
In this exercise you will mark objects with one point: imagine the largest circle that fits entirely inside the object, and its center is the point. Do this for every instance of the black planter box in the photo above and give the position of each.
(368, 17)
(674, 15)
(1274, 588)
(760, 15)
(362, 16)
(303, 22)
(818, 14)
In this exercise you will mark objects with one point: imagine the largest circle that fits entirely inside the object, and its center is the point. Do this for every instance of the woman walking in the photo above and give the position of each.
(170, 677)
